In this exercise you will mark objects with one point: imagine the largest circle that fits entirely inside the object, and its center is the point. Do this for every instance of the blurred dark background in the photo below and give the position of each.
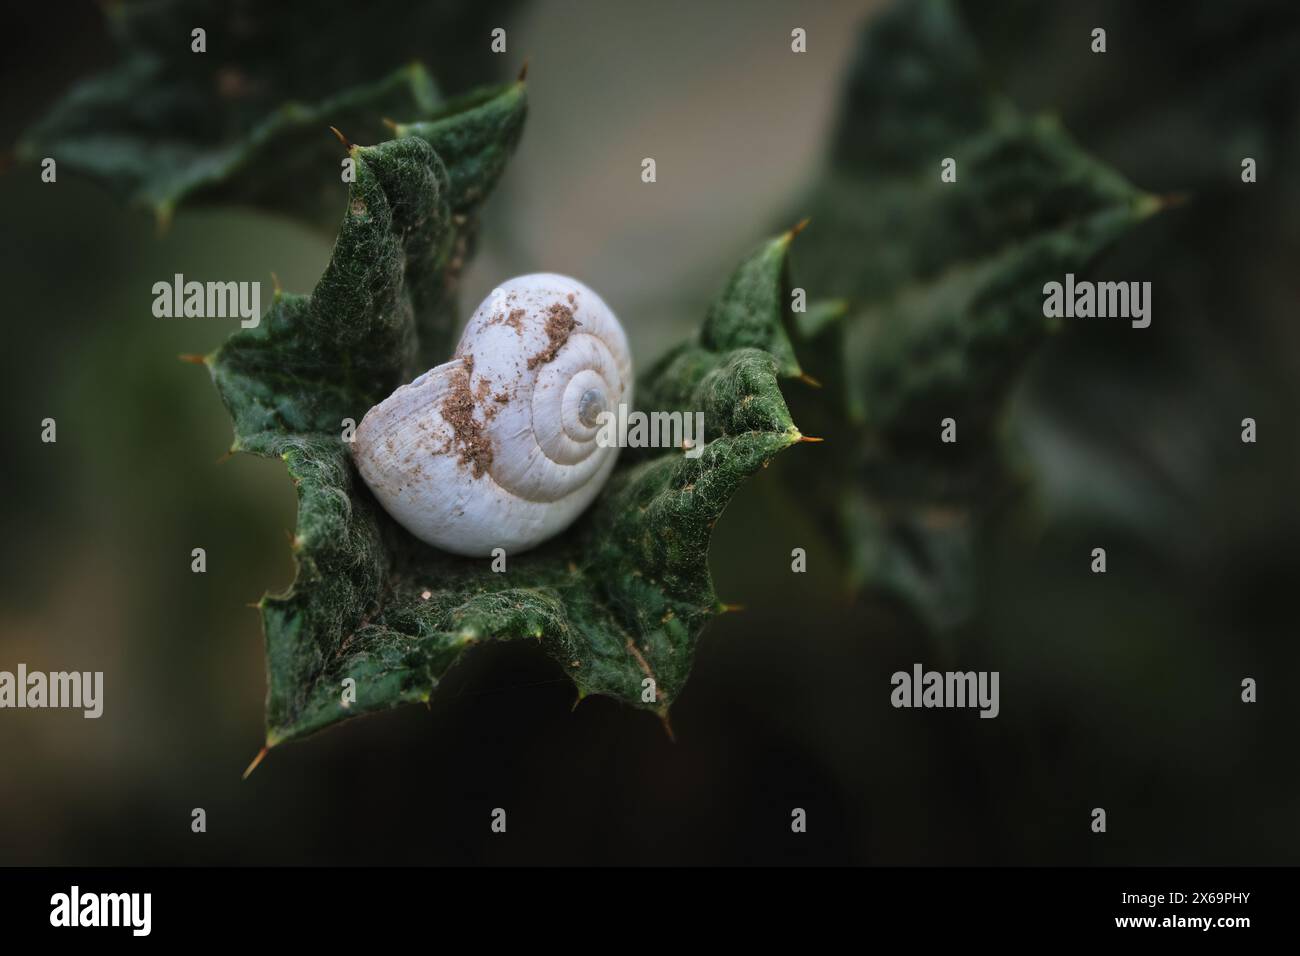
(1120, 691)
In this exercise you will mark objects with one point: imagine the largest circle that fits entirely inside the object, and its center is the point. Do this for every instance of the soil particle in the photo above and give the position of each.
(559, 326)
(467, 432)
(515, 319)
(482, 391)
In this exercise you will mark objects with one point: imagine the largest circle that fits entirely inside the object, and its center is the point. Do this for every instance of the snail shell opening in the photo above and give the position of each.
(498, 447)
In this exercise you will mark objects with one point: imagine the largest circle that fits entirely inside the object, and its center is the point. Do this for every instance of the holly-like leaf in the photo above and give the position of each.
(474, 135)
(246, 119)
(618, 600)
(389, 292)
(943, 281)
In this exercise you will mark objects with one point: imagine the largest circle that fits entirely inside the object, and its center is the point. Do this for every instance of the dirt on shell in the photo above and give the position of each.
(468, 438)
(559, 326)
(514, 318)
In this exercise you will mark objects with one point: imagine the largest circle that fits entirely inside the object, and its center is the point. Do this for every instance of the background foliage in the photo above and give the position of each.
(1119, 692)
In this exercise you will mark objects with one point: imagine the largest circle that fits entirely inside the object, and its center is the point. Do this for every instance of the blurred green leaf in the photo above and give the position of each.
(944, 283)
(1218, 82)
(247, 120)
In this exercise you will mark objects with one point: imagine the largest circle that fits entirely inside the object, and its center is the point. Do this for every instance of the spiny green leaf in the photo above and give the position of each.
(316, 360)
(388, 295)
(619, 598)
(247, 120)
(475, 135)
(944, 282)
(740, 317)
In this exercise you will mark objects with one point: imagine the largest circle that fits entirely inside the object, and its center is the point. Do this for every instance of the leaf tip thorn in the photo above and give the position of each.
(342, 139)
(809, 380)
(256, 760)
(523, 72)
(1170, 201)
(668, 725)
(799, 227)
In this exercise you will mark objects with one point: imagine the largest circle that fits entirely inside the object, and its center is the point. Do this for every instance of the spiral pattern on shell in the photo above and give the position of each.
(498, 447)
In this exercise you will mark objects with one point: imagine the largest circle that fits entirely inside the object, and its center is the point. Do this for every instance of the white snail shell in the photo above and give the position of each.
(497, 448)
